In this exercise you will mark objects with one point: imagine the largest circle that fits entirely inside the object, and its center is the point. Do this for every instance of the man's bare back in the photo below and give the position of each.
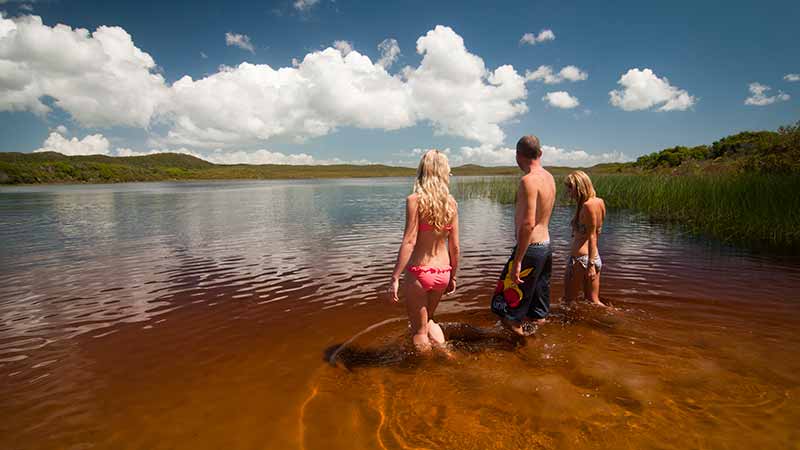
(535, 199)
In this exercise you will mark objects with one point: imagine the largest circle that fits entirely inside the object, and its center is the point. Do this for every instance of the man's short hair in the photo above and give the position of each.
(529, 147)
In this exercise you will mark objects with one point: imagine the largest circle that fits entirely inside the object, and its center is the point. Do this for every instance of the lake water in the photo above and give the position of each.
(212, 316)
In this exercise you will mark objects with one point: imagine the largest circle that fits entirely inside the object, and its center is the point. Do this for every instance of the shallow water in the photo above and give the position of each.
(212, 315)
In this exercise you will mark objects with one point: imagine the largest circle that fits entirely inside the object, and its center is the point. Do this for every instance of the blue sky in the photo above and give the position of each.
(705, 60)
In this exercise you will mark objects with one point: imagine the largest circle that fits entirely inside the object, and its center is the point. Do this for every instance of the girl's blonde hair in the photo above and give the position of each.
(432, 187)
(584, 190)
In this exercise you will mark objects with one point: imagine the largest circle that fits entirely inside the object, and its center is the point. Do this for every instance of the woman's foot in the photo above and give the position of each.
(421, 343)
(598, 303)
(435, 333)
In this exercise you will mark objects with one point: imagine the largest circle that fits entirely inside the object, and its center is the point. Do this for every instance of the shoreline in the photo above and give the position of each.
(223, 180)
(55, 168)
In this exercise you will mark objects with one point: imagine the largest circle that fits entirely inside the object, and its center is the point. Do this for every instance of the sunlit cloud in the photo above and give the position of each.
(758, 95)
(546, 74)
(304, 5)
(643, 89)
(102, 80)
(533, 39)
(561, 99)
(239, 40)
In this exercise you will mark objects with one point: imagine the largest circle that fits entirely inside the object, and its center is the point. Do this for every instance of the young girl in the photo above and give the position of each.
(584, 263)
(429, 250)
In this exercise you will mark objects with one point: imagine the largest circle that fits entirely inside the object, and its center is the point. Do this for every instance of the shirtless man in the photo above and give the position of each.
(522, 296)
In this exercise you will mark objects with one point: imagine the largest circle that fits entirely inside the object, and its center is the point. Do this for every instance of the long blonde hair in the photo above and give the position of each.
(432, 187)
(584, 189)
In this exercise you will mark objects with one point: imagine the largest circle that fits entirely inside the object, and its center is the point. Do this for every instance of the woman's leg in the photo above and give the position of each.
(591, 289)
(417, 308)
(573, 280)
(435, 332)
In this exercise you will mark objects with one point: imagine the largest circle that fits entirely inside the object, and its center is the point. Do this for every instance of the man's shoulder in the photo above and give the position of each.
(537, 178)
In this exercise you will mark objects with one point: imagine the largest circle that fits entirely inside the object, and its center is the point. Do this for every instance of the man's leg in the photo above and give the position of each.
(539, 308)
(533, 264)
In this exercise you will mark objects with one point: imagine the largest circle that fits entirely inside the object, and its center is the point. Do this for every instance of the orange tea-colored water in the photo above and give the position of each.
(213, 315)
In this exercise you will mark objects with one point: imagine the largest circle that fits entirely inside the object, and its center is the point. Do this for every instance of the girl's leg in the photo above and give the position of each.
(435, 332)
(573, 280)
(417, 308)
(591, 290)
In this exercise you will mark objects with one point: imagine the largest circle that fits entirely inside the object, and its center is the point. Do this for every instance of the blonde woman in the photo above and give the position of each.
(429, 251)
(584, 263)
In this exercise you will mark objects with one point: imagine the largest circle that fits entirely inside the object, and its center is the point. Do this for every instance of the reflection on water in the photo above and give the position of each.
(246, 315)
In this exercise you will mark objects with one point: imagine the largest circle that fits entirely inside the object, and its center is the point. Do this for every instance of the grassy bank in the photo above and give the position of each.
(50, 167)
(733, 207)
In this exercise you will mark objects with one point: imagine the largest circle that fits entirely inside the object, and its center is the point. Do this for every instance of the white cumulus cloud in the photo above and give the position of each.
(573, 73)
(390, 51)
(451, 89)
(239, 40)
(551, 156)
(758, 95)
(100, 78)
(93, 144)
(561, 99)
(792, 77)
(643, 89)
(533, 39)
(304, 5)
(546, 74)
(97, 144)
(343, 46)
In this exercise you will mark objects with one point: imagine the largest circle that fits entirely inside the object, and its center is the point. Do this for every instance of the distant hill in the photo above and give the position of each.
(51, 167)
(750, 151)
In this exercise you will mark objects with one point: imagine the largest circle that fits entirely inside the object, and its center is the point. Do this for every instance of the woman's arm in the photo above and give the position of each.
(407, 246)
(454, 251)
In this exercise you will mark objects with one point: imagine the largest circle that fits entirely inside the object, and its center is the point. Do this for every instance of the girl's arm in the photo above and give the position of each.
(407, 246)
(454, 250)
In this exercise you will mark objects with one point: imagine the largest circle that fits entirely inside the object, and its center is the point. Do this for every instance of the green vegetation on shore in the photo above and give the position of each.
(51, 167)
(743, 188)
(742, 208)
(773, 152)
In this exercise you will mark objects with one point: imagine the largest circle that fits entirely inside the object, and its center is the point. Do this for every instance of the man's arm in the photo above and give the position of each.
(527, 193)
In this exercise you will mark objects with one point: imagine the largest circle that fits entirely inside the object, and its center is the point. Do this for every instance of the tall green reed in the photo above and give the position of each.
(744, 208)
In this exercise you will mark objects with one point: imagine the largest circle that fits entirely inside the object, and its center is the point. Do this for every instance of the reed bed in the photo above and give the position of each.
(742, 208)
